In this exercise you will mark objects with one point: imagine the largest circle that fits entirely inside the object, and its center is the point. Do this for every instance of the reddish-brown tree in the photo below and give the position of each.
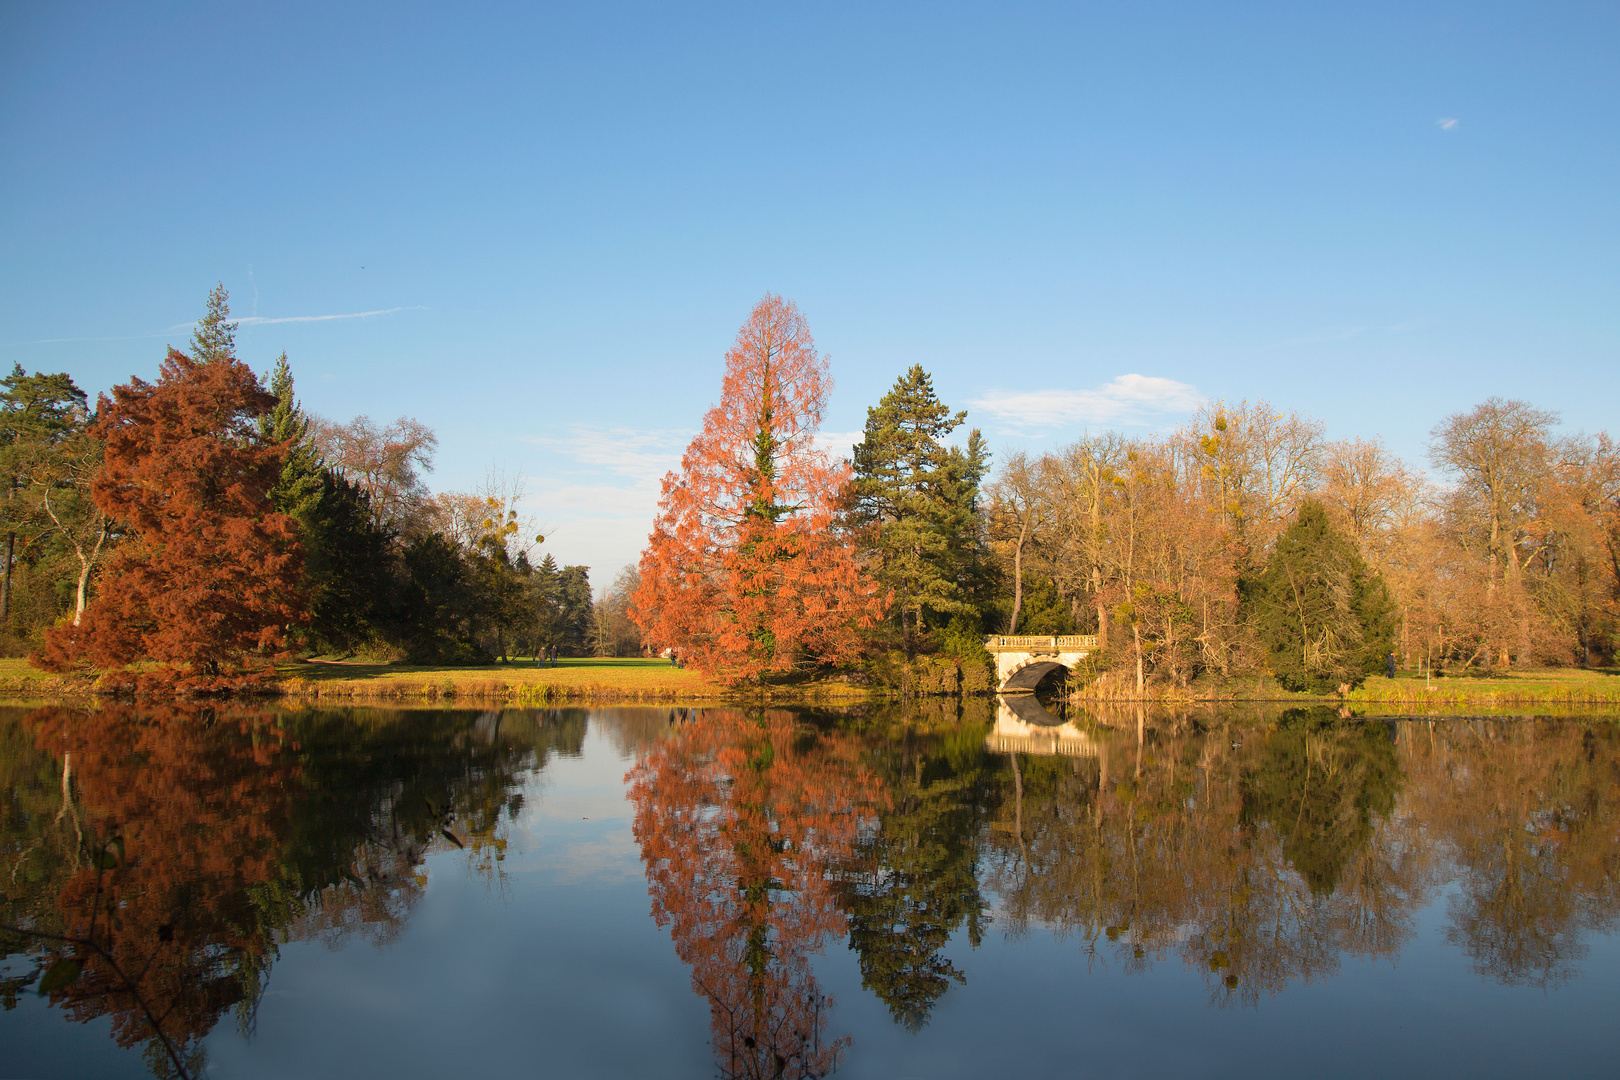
(210, 579)
(747, 570)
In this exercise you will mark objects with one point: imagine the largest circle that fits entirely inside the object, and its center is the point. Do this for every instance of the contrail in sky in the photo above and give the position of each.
(246, 320)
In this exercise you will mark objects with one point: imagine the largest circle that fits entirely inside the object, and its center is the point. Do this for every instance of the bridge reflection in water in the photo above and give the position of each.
(1025, 726)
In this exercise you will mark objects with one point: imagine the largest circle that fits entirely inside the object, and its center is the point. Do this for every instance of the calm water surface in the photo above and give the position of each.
(883, 893)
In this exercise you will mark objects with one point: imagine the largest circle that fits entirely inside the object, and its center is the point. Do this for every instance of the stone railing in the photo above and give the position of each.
(1040, 642)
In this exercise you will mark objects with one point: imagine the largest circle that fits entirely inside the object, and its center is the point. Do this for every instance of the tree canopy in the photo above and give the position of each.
(747, 569)
(212, 579)
(1325, 618)
(916, 501)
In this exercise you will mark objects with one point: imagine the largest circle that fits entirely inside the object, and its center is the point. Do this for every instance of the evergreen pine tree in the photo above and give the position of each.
(215, 336)
(36, 412)
(299, 491)
(917, 502)
(969, 564)
(1324, 617)
(348, 564)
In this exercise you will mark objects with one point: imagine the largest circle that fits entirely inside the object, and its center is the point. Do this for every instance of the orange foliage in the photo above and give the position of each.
(741, 818)
(210, 579)
(197, 803)
(746, 569)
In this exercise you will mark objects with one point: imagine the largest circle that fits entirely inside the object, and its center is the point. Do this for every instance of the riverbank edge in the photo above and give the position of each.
(494, 691)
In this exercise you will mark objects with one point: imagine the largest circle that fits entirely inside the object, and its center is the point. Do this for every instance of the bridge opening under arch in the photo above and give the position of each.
(1032, 675)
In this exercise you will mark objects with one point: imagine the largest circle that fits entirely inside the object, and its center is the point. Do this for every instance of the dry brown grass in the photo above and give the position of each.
(570, 680)
(574, 680)
(1570, 688)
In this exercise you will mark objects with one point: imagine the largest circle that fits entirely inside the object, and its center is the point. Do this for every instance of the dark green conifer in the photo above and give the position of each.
(299, 491)
(917, 500)
(1324, 617)
(36, 413)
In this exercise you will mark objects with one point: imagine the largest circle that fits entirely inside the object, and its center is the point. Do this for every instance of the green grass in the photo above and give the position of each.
(572, 678)
(1571, 687)
(18, 678)
(1556, 686)
(633, 679)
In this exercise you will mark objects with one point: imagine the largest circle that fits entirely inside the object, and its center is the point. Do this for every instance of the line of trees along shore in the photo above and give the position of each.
(1242, 543)
(206, 522)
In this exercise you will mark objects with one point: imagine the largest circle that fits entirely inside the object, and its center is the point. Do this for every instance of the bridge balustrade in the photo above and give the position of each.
(1044, 642)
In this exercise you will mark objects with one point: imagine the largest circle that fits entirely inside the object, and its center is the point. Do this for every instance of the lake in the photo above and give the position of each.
(931, 890)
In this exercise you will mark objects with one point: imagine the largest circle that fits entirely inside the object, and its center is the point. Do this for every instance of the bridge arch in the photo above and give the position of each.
(1022, 661)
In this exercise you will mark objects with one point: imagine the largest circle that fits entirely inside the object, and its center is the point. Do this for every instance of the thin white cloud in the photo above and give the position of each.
(1448, 123)
(259, 320)
(838, 443)
(245, 320)
(640, 455)
(573, 502)
(1125, 399)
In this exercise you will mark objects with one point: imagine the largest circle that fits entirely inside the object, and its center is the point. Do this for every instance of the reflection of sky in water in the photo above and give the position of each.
(559, 971)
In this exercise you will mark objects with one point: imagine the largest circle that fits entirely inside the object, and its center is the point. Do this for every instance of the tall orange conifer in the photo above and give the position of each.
(210, 578)
(747, 570)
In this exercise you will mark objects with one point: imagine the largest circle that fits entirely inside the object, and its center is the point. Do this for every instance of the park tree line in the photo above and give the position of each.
(207, 522)
(1247, 540)
(1244, 542)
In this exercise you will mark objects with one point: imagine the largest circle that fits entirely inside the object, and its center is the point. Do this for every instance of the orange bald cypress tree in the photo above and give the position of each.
(209, 580)
(747, 570)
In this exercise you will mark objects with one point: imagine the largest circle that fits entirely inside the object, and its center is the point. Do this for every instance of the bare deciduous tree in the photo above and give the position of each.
(385, 462)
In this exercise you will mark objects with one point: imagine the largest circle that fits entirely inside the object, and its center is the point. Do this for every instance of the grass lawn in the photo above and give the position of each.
(572, 676)
(1564, 686)
(573, 679)
(584, 680)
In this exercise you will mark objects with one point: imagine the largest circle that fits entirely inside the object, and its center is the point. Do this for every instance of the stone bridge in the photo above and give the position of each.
(1022, 662)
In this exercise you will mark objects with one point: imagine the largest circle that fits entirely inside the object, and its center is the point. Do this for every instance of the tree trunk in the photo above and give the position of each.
(1018, 581)
(85, 566)
(5, 583)
(78, 596)
(1140, 682)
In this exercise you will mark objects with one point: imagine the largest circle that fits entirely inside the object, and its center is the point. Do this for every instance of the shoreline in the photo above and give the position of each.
(591, 682)
(407, 694)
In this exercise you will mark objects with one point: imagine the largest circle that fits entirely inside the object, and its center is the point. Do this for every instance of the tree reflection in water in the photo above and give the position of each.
(1262, 853)
(911, 882)
(1528, 815)
(744, 819)
(169, 852)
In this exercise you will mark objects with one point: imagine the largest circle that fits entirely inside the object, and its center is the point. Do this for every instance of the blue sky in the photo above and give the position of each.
(558, 215)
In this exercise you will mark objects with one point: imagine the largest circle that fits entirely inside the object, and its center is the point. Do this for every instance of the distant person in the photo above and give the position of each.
(1389, 660)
